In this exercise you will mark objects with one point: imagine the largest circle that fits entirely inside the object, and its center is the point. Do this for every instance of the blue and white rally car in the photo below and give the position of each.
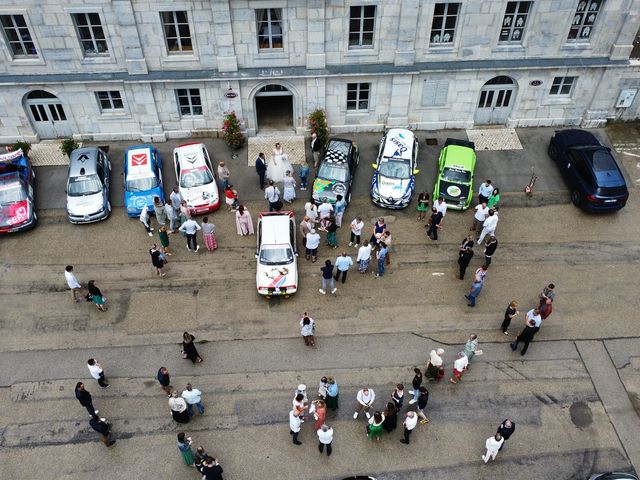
(142, 178)
(394, 178)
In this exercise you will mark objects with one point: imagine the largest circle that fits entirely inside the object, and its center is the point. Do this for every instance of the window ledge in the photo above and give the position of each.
(114, 115)
(510, 47)
(560, 100)
(272, 54)
(576, 46)
(357, 113)
(177, 57)
(93, 60)
(27, 61)
(361, 52)
(442, 48)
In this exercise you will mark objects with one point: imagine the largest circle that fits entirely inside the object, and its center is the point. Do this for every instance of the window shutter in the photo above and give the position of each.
(434, 93)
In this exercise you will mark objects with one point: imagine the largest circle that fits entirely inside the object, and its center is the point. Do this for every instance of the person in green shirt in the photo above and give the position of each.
(494, 198)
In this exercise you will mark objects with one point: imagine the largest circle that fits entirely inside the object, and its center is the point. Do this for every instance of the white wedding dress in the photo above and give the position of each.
(278, 166)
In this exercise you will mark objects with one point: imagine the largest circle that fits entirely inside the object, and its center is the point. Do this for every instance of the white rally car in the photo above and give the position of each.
(276, 254)
(393, 182)
(196, 180)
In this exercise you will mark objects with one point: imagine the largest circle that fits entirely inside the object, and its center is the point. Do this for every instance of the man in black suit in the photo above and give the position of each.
(84, 398)
(315, 149)
(261, 169)
(506, 429)
(434, 224)
(526, 336)
(101, 426)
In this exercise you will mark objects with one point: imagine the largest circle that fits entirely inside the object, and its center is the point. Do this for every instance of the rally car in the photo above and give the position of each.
(276, 254)
(17, 206)
(335, 172)
(455, 173)
(394, 178)
(196, 180)
(142, 178)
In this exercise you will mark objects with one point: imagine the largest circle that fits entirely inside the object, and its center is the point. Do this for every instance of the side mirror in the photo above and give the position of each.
(416, 171)
(374, 165)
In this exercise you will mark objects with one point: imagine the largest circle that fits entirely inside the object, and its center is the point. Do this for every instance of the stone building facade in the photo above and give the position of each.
(158, 69)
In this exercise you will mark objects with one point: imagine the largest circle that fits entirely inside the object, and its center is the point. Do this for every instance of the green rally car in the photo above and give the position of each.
(456, 165)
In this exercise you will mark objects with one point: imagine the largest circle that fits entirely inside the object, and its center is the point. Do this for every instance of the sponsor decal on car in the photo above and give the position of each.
(321, 184)
(139, 159)
(454, 190)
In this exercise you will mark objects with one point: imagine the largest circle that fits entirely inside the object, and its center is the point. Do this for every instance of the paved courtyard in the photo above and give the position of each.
(574, 397)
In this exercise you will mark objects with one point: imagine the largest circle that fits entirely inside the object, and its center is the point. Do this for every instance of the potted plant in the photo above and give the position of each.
(318, 124)
(25, 146)
(68, 145)
(232, 133)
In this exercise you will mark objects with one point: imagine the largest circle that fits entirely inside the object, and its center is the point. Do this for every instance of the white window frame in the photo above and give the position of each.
(586, 19)
(270, 35)
(358, 100)
(442, 31)
(111, 98)
(92, 33)
(21, 41)
(191, 105)
(513, 19)
(179, 38)
(361, 32)
(558, 83)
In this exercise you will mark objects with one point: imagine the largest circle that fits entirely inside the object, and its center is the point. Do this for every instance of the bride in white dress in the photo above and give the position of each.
(279, 164)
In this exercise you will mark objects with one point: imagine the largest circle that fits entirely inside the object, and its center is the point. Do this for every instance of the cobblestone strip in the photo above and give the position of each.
(495, 139)
(47, 154)
(292, 145)
(613, 396)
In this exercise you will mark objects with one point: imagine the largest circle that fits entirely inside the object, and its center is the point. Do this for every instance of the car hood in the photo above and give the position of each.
(14, 214)
(454, 191)
(274, 276)
(85, 205)
(392, 187)
(329, 189)
(194, 196)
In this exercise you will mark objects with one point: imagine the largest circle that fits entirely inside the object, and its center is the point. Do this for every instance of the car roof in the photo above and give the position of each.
(190, 155)
(575, 136)
(83, 158)
(396, 139)
(275, 228)
(460, 156)
(138, 161)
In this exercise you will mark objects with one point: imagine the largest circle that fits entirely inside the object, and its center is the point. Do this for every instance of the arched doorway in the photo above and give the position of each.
(274, 109)
(48, 115)
(496, 99)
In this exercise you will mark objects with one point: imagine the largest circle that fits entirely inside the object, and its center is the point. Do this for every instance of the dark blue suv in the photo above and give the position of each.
(592, 174)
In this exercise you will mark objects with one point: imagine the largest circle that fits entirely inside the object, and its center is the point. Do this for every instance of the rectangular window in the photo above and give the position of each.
(443, 28)
(189, 102)
(110, 100)
(361, 26)
(434, 93)
(562, 86)
(269, 28)
(90, 34)
(584, 19)
(176, 31)
(358, 96)
(514, 22)
(18, 36)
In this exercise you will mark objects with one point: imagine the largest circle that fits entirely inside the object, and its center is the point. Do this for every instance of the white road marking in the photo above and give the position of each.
(439, 274)
(630, 154)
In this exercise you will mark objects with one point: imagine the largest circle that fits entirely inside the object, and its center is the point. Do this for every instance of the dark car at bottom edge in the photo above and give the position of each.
(592, 174)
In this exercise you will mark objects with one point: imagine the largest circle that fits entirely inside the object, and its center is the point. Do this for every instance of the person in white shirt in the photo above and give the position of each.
(356, 230)
(144, 218)
(459, 366)
(176, 200)
(294, 427)
(325, 437)
(493, 445)
(96, 371)
(441, 206)
(364, 257)
(72, 282)
(485, 191)
(190, 228)
(272, 195)
(410, 422)
(306, 330)
(193, 397)
(178, 407)
(324, 210)
(534, 316)
(343, 263)
(482, 212)
(489, 225)
(364, 401)
(313, 242)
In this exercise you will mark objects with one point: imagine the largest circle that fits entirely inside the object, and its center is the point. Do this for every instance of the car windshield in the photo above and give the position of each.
(195, 177)
(395, 169)
(141, 184)
(276, 255)
(86, 185)
(334, 172)
(455, 175)
(12, 193)
(602, 161)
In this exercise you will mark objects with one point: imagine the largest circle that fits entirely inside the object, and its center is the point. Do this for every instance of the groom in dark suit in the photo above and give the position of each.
(261, 169)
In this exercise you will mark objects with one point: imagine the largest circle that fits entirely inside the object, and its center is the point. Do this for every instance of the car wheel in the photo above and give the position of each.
(576, 198)
(552, 151)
